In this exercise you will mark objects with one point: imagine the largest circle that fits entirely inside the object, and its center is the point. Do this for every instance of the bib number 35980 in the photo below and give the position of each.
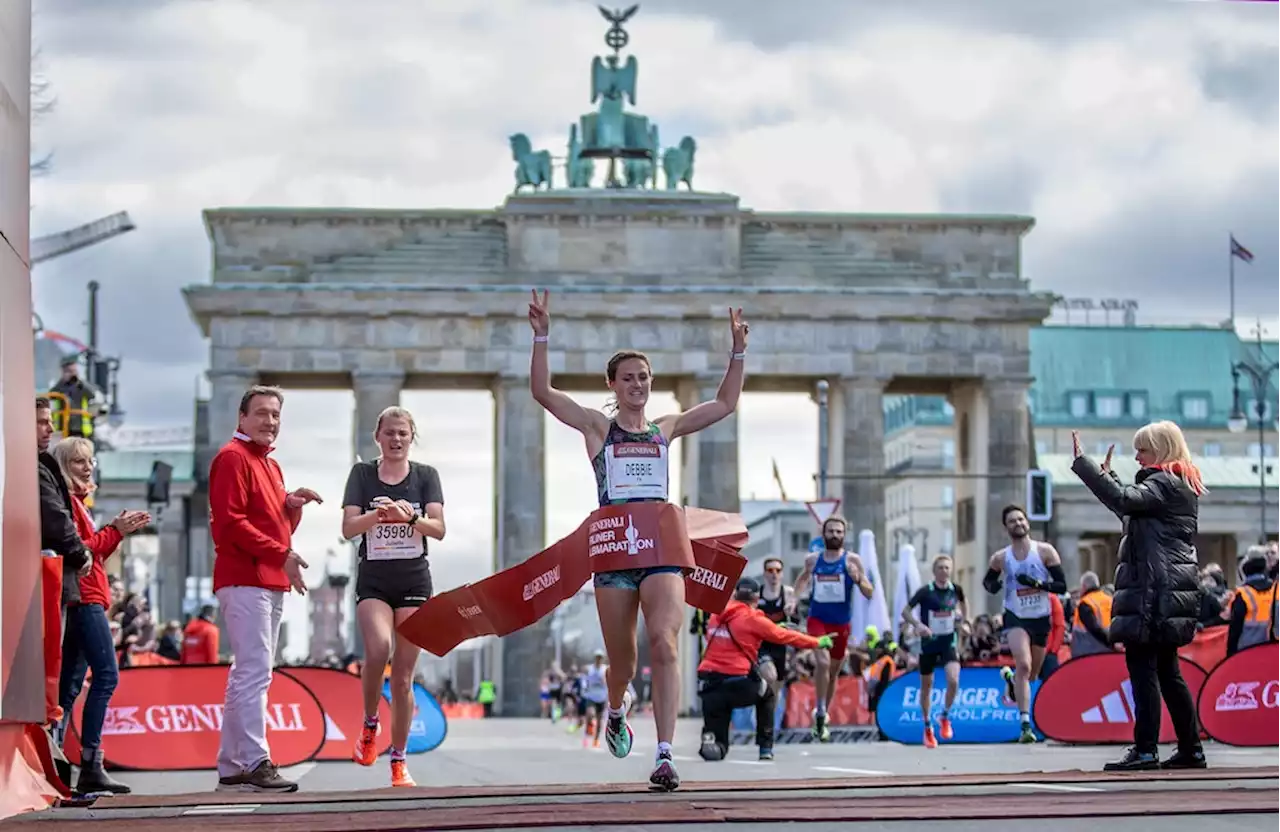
(393, 541)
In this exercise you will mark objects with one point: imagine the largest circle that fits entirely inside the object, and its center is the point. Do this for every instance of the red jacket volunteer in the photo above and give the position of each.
(750, 627)
(94, 587)
(252, 528)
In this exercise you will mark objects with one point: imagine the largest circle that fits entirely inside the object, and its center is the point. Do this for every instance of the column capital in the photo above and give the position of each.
(377, 378)
(1007, 382)
(864, 383)
(509, 381)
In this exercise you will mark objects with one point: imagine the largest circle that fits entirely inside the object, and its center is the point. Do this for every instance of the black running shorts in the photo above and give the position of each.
(1036, 628)
(397, 589)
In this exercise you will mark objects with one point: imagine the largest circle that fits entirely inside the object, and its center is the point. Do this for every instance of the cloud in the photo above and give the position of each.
(1139, 134)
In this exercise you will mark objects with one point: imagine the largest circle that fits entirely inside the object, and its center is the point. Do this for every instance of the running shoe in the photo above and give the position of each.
(1006, 673)
(766, 754)
(930, 741)
(944, 728)
(820, 730)
(617, 732)
(366, 750)
(400, 774)
(1027, 737)
(665, 776)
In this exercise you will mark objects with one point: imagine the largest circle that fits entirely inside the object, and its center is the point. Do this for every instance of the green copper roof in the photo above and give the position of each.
(135, 466)
(1146, 373)
(1217, 472)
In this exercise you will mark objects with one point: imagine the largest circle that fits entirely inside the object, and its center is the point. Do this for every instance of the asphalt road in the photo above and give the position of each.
(511, 753)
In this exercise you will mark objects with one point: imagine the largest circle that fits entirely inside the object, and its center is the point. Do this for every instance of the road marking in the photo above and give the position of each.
(751, 762)
(871, 771)
(299, 771)
(1055, 787)
(224, 809)
(684, 759)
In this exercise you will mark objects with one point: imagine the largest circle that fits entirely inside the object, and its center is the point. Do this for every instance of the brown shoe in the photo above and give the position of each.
(266, 778)
(234, 783)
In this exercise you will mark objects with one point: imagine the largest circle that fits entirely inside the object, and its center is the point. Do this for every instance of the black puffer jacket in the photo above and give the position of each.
(1157, 598)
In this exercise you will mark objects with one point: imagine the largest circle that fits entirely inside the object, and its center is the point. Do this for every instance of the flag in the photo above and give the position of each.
(1240, 251)
(873, 611)
(777, 477)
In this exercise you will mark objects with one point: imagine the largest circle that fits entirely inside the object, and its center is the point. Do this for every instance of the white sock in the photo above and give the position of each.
(663, 746)
(616, 712)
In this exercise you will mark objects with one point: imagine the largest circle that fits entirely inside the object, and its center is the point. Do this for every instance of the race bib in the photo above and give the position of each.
(1032, 603)
(942, 623)
(636, 471)
(393, 541)
(828, 589)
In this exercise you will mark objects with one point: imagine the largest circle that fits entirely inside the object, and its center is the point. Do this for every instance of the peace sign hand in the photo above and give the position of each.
(539, 316)
(1106, 463)
(739, 328)
(1077, 450)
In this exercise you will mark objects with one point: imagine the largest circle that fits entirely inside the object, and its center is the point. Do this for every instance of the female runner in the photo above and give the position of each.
(393, 506)
(658, 591)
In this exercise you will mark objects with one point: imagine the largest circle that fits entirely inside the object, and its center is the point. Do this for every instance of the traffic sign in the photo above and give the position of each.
(820, 510)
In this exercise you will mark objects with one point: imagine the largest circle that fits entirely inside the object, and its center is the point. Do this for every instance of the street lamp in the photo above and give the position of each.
(1238, 421)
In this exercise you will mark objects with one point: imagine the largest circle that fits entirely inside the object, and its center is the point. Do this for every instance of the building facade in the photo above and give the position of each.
(1105, 382)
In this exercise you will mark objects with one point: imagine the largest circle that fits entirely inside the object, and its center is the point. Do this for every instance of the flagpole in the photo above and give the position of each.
(1231, 275)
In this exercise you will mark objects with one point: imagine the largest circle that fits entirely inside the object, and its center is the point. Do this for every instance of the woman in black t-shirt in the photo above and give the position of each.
(393, 505)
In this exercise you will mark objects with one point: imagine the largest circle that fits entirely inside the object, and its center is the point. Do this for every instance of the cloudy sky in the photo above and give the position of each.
(1138, 133)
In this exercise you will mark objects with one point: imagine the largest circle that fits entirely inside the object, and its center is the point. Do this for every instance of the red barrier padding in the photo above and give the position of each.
(1090, 700)
(170, 719)
(51, 599)
(342, 701)
(848, 708)
(516, 597)
(26, 784)
(463, 710)
(1237, 705)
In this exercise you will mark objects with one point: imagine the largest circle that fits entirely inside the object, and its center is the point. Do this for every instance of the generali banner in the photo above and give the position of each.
(169, 718)
(342, 701)
(704, 544)
(1090, 700)
(1238, 703)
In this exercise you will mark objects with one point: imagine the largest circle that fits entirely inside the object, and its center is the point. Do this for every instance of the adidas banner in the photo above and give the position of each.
(1090, 700)
(981, 713)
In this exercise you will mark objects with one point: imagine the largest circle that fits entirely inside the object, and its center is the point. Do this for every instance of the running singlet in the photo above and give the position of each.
(631, 467)
(938, 608)
(831, 601)
(392, 542)
(594, 688)
(1023, 601)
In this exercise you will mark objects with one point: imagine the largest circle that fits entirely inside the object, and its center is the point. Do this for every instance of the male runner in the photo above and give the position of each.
(834, 574)
(941, 605)
(776, 598)
(1032, 570)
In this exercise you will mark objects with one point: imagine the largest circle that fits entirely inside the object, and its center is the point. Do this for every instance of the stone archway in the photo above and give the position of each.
(374, 300)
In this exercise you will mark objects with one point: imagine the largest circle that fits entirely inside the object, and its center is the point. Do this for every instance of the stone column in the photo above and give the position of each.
(1007, 457)
(226, 389)
(862, 490)
(374, 393)
(1068, 546)
(971, 487)
(716, 454)
(519, 516)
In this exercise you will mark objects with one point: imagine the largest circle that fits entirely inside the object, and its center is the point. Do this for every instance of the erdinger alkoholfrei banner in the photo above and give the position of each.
(703, 543)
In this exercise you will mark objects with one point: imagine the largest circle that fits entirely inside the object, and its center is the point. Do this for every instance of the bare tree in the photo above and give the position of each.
(43, 102)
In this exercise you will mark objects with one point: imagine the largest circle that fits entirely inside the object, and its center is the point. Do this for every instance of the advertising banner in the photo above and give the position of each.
(342, 701)
(848, 707)
(981, 712)
(1090, 700)
(170, 719)
(1237, 704)
(429, 726)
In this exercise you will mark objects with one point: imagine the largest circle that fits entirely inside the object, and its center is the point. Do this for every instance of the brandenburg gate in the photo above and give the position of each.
(380, 301)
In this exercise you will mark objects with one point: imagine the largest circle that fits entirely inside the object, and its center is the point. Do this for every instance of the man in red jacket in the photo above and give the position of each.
(727, 677)
(252, 519)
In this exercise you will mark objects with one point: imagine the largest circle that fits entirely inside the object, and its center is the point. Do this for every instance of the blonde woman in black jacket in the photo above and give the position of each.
(1157, 596)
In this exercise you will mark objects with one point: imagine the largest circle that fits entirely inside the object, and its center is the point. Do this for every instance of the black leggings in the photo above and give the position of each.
(1154, 672)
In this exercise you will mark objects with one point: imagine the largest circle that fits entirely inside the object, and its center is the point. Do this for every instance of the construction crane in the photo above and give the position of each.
(74, 239)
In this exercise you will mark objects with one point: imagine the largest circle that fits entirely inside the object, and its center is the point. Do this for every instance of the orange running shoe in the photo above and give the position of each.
(400, 774)
(929, 740)
(944, 728)
(366, 750)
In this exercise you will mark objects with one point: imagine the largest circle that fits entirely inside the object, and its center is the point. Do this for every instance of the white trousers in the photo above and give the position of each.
(252, 617)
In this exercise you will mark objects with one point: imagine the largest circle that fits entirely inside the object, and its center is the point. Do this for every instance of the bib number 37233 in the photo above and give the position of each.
(393, 541)
(636, 471)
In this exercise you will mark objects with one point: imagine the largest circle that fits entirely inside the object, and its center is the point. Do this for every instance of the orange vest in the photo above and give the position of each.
(1083, 642)
(1259, 616)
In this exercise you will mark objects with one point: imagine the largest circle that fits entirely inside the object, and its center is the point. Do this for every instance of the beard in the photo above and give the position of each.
(1017, 534)
(833, 544)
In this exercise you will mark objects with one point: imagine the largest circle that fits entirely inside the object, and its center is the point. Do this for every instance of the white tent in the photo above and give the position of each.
(873, 612)
(908, 581)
